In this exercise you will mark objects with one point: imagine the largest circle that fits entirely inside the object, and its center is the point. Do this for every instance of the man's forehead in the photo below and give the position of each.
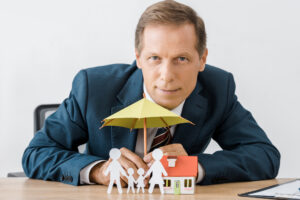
(169, 32)
(180, 39)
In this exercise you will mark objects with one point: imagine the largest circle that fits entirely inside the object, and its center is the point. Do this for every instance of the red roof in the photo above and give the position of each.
(184, 166)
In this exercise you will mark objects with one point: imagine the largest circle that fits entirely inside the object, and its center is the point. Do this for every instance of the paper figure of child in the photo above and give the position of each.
(157, 170)
(114, 168)
(131, 180)
(140, 180)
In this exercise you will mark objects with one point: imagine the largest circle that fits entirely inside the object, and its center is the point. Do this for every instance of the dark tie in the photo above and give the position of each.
(163, 137)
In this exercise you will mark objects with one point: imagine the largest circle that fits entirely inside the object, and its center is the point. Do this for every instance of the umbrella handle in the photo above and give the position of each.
(145, 137)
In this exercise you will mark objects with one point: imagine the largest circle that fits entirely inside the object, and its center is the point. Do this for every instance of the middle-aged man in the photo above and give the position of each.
(170, 68)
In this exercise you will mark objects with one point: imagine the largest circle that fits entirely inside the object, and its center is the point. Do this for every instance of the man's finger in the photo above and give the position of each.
(133, 158)
(150, 163)
(126, 164)
(124, 179)
(102, 177)
(177, 148)
(147, 158)
(171, 149)
(132, 161)
(146, 182)
(123, 182)
(97, 173)
(172, 153)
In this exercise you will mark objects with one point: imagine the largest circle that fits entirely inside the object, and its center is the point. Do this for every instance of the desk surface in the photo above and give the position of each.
(23, 188)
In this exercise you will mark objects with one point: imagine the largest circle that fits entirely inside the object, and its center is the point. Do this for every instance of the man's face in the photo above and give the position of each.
(170, 62)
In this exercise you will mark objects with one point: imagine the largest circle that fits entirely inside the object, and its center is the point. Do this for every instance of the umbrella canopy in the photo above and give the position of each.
(144, 114)
(133, 116)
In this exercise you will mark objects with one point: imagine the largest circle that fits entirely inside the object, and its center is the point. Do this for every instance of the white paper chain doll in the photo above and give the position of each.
(114, 168)
(140, 180)
(157, 170)
(131, 180)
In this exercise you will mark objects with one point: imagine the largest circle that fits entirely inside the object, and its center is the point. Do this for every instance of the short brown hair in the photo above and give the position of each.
(171, 12)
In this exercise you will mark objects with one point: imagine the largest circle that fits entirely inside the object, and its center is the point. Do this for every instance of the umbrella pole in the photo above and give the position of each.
(145, 137)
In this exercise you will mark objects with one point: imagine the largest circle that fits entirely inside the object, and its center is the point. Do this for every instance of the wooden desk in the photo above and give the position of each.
(23, 188)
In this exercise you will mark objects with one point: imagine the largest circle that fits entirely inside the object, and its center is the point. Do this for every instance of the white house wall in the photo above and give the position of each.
(183, 190)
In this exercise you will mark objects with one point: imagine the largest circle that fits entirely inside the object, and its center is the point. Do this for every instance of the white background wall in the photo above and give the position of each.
(43, 44)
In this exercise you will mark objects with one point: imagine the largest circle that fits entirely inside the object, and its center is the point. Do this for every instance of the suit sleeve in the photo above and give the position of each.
(247, 153)
(52, 154)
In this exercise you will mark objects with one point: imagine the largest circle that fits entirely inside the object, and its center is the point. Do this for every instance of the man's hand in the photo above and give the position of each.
(127, 160)
(168, 150)
(97, 174)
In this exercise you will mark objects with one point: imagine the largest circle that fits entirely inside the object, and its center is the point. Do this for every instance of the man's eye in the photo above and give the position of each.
(154, 58)
(182, 59)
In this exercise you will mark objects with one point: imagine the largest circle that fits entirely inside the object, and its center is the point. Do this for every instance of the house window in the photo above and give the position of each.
(167, 183)
(187, 182)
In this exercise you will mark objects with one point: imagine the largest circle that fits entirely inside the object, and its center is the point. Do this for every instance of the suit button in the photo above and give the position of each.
(68, 178)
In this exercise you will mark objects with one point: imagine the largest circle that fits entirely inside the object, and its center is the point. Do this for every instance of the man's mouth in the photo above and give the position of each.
(169, 91)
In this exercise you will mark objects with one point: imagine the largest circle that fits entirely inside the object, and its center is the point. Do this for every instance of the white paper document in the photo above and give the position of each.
(289, 190)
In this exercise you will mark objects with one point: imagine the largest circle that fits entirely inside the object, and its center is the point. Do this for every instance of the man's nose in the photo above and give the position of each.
(166, 72)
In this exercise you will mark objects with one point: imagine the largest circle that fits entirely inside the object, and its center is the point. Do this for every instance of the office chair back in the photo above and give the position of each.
(41, 113)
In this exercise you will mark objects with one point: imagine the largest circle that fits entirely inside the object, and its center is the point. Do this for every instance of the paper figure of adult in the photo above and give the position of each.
(114, 168)
(157, 170)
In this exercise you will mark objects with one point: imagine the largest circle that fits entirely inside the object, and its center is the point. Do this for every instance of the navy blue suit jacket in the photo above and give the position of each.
(101, 91)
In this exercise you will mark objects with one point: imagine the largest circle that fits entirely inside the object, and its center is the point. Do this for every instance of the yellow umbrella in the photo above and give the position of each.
(144, 114)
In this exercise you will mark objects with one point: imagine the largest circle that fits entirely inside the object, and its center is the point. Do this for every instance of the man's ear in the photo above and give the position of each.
(203, 60)
(137, 57)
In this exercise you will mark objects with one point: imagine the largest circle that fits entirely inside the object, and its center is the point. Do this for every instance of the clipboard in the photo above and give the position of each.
(288, 190)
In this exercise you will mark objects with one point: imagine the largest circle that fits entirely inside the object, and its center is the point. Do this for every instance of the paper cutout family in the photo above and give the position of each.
(181, 185)
(179, 179)
(114, 168)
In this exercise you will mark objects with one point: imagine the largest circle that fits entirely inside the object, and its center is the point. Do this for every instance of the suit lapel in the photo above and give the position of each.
(194, 109)
(130, 93)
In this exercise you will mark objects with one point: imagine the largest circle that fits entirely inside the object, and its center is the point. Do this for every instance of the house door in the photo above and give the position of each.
(177, 187)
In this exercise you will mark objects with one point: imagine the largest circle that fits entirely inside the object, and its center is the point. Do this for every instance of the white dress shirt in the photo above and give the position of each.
(139, 148)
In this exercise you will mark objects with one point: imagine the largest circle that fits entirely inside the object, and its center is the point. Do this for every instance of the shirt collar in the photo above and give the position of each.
(177, 110)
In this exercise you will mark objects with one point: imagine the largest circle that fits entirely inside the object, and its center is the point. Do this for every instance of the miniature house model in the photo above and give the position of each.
(182, 172)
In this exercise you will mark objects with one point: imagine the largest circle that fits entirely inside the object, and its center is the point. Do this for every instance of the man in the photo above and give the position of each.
(171, 70)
